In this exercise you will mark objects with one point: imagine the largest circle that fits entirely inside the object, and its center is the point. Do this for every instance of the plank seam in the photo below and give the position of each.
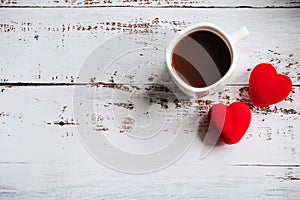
(183, 6)
(266, 165)
(24, 84)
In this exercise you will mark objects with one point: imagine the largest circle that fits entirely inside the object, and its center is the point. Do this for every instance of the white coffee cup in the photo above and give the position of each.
(229, 41)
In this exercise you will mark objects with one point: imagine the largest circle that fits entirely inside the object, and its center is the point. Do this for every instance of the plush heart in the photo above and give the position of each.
(266, 87)
(229, 122)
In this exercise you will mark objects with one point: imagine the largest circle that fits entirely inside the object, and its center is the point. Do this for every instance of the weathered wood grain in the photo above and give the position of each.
(50, 45)
(152, 3)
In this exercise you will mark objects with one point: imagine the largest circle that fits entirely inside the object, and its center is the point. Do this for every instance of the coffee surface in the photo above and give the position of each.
(201, 58)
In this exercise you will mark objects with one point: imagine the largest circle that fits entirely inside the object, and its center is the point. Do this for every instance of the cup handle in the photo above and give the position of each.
(239, 34)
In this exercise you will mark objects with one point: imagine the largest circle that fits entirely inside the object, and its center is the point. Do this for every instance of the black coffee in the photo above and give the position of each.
(201, 58)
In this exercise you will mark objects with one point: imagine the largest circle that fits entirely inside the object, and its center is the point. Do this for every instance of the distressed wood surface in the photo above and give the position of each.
(42, 51)
(40, 147)
(63, 39)
(151, 3)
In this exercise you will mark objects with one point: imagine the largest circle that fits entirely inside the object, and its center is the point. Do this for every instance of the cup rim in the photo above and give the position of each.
(200, 26)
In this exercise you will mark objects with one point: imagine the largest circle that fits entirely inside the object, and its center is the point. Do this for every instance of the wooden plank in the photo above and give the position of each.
(88, 180)
(150, 3)
(40, 121)
(50, 45)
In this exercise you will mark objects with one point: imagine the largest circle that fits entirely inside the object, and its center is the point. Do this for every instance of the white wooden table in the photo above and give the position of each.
(43, 46)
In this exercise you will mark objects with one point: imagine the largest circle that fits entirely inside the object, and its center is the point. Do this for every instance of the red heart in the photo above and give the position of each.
(266, 87)
(230, 122)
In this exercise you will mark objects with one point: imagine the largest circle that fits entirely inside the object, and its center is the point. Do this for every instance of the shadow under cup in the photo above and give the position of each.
(202, 57)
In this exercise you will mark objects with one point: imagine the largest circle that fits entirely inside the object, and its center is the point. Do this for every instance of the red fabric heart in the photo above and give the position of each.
(230, 122)
(266, 87)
